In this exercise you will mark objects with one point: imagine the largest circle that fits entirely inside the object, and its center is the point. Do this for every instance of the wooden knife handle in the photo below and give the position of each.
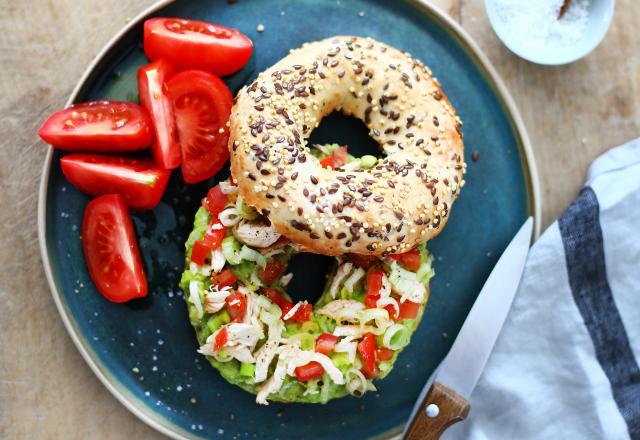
(441, 408)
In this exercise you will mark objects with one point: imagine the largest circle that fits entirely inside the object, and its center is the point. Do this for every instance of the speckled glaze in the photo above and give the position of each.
(145, 351)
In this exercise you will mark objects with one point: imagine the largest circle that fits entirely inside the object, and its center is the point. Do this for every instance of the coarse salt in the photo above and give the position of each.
(535, 26)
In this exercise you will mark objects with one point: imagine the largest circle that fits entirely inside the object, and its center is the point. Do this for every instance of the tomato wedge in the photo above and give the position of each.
(408, 310)
(237, 306)
(192, 44)
(153, 96)
(312, 370)
(139, 181)
(326, 343)
(215, 201)
(367, 352)
(220, 339)
(225, 278)
(202, 105)
(99, 127)
(272, 271)
(336, 159)
(410, 259)
(111, 251)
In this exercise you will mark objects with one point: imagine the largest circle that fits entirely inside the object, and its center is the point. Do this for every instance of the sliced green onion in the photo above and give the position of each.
(247, 212)
(396, 337)
(247, 370)
(356, 382)
(217, 321)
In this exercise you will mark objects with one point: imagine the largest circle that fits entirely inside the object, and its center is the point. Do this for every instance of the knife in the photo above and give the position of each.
(444, 399)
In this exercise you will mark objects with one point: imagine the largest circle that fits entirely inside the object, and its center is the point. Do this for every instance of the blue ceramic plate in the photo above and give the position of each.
(145, 351)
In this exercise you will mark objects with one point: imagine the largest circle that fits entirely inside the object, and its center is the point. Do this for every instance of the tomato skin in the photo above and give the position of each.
(336, 159)
(370, 301)
(98, 127)
(221, 338)
(202, 106)
(384, 354)
(213, 237)
(367, 352)
(139, 181)
(237, 306)
(408, 310)
(312, 370)
(303, 314)
(192, 44)
(374, 284)
(326, 343)
(410, 259)
(199, 253)
(272, 271)
(153, 96)
(225, 278)
(215, 201)
(110, 250)
(284, 304)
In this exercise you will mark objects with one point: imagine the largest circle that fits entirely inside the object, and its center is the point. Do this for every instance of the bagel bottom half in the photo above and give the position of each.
(261, 340)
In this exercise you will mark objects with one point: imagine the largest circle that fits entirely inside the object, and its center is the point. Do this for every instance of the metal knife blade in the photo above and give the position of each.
(461, 368)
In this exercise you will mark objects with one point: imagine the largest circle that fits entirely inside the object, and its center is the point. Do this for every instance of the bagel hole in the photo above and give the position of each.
(310, 273)
(338, 128)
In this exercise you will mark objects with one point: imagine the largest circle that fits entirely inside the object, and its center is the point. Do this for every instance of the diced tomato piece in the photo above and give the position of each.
(310, 371)
(326, 343)
(199, 253)
(213, 237)
(408, 310)
(383, 354)
(371, 300)
(410, 259)
(303, 314)
(220, 339)
(272, 271)
(336, 159)
(374, 282)
(367, 352)
(225, 278)
(393, 315)
(215, 201)
(276, 298)
(237, 306)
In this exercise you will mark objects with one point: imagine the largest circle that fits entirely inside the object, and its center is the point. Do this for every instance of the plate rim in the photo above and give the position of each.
(128, 400)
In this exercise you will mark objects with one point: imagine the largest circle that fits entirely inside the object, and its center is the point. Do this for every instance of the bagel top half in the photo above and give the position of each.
(405, 199)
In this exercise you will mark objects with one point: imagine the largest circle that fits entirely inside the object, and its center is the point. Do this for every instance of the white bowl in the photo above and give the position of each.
(599, 15)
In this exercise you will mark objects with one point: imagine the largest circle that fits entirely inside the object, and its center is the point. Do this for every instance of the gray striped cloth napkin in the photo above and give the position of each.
(566, 363)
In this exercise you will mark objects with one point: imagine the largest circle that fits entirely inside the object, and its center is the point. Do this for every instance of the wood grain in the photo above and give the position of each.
(573, 113)
(450, 406)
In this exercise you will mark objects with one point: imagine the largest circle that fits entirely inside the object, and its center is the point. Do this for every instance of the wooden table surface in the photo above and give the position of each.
(572, 113)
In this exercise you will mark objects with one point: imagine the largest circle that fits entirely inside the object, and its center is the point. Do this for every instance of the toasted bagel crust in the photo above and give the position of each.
(405, 199)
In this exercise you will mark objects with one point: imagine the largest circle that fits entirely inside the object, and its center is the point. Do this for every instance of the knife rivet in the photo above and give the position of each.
(432, 411)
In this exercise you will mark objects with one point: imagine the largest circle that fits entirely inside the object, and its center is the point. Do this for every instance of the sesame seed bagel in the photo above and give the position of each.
(403, 200)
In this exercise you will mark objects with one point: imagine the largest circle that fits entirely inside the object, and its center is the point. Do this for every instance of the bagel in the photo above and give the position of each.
(404, 199)
(251, 331)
